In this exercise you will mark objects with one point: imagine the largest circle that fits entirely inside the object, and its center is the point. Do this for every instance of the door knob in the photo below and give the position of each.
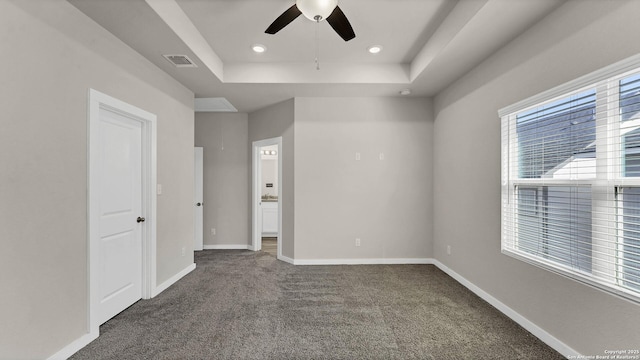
(198, 204)
(140, 219)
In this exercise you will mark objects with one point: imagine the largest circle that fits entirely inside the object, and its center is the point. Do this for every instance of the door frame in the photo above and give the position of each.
(97, 101)
(256, 175)
(198, 155)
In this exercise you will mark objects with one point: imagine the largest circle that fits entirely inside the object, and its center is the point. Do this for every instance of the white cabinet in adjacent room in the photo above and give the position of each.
(269, 218)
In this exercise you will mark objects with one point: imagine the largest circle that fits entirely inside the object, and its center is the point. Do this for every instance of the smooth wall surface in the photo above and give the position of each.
(43, 167)
(384, 199)
(224, 138)
(269, 185)
(271, 122)
(578, 38)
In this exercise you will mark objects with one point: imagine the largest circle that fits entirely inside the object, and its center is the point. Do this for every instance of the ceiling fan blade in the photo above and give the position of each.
(283, 20)
(340, 24)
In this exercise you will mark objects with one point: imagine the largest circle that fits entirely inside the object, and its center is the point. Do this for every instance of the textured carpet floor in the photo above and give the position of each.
(245, 305)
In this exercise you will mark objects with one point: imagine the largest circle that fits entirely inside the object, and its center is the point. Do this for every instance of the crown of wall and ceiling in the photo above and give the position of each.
(425, 44)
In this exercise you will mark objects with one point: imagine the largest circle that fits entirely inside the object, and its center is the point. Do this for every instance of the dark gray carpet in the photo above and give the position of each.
(245, 305)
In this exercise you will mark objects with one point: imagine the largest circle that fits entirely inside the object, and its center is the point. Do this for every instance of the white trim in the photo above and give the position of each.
(98, 100)
(383, 261)
(603, 176)
(227, 247)
(286, 259)
(86, 339)
(534, 329)
(590, 79)
(172, 280)
(198, 210)
(150, 197)
(256, 224)
(280, 192)
(74, 347)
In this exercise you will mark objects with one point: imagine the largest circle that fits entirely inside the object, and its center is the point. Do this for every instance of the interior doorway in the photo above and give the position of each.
(121, 207)
(267, 196)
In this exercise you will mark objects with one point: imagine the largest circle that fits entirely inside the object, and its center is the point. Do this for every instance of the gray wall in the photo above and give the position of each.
(43, 176)
(386, 203)
(271, 122)
(224, 138)
(580, 37)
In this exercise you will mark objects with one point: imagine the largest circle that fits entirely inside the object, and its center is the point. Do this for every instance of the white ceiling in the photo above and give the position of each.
(218, 21)
(427, 44)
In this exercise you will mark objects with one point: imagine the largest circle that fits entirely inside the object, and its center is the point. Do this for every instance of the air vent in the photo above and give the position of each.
(180, 60)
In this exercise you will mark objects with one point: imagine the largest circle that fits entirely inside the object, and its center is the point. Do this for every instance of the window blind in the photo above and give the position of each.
(571, 183)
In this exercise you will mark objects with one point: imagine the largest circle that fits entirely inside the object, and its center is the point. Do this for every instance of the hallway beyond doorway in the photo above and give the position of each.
(270, 245)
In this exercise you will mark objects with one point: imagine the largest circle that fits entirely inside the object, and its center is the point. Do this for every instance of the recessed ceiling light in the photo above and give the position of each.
(259, 48)
(375, 49)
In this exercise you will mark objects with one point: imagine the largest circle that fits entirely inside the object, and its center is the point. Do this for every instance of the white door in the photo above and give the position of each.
(120, 220)
(198, 198)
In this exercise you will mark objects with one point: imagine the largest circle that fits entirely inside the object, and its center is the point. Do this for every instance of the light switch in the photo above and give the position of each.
(357, 156)
(381, 156)
(159, 189)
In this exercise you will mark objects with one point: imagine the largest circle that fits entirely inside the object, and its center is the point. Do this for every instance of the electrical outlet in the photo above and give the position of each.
(213, 231)
(184, 251)
(357, 241)
(448, 249)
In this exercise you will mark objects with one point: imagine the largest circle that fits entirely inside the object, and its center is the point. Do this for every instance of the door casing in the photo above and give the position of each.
(256, 233)
(198, 211)
(97, 101)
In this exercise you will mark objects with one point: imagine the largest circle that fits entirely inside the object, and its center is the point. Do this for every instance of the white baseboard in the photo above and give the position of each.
(534, 329)
(73, 347)
(286, 259)
(162, 287)
(85, 339)
(390, 261)
(226, 247)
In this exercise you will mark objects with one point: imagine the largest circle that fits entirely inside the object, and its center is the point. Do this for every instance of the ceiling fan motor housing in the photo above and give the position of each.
(313, 8)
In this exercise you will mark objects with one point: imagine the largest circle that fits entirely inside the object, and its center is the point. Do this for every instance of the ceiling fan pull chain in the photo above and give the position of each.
(318, 18)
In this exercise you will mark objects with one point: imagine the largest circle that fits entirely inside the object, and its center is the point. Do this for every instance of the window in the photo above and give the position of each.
(571, 179)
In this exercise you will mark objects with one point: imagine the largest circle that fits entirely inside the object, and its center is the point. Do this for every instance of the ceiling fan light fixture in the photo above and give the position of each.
(258, 48)
(374, 49)
(313, 8)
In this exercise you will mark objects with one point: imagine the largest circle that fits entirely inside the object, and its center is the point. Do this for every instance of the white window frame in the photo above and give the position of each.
(604, 185)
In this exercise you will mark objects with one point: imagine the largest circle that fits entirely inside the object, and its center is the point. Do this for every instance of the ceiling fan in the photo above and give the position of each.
(315, 10)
